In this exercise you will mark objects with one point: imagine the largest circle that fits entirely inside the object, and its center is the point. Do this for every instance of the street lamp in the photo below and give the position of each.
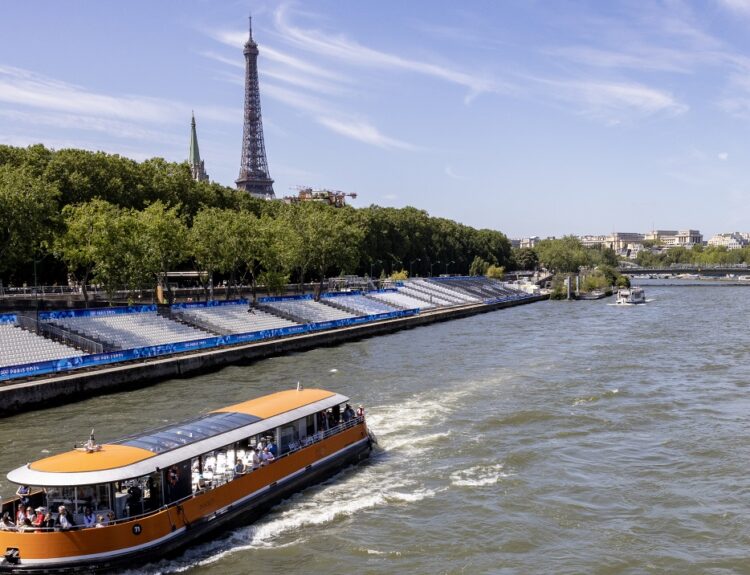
(432, 264)
(411, 263)
(447, 264)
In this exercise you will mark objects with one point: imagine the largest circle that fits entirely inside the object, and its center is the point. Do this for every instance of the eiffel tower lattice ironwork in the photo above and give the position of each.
(254, 177)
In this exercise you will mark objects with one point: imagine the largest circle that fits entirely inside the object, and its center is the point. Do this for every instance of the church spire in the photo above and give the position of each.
(194, 159)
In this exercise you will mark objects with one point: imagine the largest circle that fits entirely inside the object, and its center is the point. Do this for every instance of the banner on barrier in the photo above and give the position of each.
(270, 299)
(98, 312)
(67, 364)
(210, 303)
(8, 318)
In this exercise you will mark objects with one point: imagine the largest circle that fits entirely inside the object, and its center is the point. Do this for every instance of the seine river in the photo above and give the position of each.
(551, 438)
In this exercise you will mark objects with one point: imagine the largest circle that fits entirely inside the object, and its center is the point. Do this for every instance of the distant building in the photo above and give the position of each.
(593, 241)
(530, 242)
(731, 241)
(515, 243)
(619, 241)
(674, 238)
(194, 158)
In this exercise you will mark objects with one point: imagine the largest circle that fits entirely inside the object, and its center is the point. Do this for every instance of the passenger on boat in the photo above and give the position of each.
(239, 468)
(23, 492)
(39, 519)
(360, 410)
(273, 450)
(348, 414)
(6, 524)
(26, 526)
(64, 520)
(267, 457)
(20, 514)
(48, 522)
(100, 521)
(30, 515)
(110, 518)
(253, 459)
(89, 519)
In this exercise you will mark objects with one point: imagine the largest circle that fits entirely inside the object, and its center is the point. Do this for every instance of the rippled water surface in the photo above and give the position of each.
(549, 438)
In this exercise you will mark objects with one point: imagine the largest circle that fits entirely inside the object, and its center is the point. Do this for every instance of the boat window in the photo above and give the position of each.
(289, 434)
(177, 435)
(310, 425)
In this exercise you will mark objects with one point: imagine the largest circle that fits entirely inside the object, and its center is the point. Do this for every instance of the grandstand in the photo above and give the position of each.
(130, 330)
(443, 291)
(305, 310)
(20, 346)
(480, 287)
(232, 318)
(358, 304)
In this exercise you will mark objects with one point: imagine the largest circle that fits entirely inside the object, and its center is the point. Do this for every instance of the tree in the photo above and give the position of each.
(478, 267)
(495, 272)
(526, 259)
(563, 255)
(206, 240)
(163, 242)
(81, 245)
(28, 217)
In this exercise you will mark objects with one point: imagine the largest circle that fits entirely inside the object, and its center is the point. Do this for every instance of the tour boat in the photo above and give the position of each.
(154, 492)
(628, 296)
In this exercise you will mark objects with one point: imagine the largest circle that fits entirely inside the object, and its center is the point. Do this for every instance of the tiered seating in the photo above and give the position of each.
(362, 305)
(482, 287)
(402, 300)
(434, 298)
(310, 311)
(19, 346)
(446, 292)
(234, 318)
(129, 330)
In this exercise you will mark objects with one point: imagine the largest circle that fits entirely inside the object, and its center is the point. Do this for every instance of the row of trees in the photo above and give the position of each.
(123, 224)
(698, 255)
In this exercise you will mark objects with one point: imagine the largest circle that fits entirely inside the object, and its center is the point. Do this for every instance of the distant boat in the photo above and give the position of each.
(630, 296)
(594, 294)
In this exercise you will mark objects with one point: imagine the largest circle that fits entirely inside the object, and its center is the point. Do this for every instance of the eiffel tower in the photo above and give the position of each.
(254, 177)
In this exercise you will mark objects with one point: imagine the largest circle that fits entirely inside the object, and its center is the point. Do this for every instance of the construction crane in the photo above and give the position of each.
(335, 198)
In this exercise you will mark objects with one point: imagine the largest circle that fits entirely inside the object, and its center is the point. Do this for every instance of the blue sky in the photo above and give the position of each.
(534, 118)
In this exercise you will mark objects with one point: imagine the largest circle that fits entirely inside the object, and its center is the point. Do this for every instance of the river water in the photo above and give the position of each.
(555, 437)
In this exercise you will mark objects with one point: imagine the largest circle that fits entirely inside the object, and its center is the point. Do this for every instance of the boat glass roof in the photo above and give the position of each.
(187, 432)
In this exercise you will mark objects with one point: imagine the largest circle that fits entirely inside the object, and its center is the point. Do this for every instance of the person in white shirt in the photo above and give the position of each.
(252, 459)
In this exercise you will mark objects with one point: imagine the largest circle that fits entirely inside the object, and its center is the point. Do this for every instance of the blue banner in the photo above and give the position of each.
(333, 294)
(284, 298)
(8, 318)
(61, 365)
(210, 303)
(97, 312)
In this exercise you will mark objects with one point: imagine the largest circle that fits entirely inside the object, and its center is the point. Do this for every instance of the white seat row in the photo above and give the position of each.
(19, 346)
(236, 318)
(402, 300)
(363, 305)
(309, 310)
(130, 330)
(434, 298)
(441, 288)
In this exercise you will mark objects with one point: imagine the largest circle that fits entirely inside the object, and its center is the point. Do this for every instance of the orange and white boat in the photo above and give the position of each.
(152, 493)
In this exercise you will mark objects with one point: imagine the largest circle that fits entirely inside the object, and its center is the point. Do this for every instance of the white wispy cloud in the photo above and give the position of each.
(723, 156)
(740, 6)
(609, 100)
(363, 131)
(452, 174)
(352, 52)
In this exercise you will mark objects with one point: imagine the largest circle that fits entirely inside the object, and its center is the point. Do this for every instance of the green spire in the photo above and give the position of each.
(194, 159)
(195, 156)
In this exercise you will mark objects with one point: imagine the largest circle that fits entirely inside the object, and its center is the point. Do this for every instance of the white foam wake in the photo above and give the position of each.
(478, 476)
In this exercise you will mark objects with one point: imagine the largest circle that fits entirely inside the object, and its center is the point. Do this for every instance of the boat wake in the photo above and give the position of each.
(479, 476)
(379, 483)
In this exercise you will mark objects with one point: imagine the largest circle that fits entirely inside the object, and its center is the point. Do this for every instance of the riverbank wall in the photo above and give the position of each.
(54, 390)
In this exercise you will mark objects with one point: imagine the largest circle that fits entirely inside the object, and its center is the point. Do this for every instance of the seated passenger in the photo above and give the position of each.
(20, 514)
(48, 522)
(26, 525)
(64, 520)
(267, 456)
(6, 524)
(239, 468)
(38, 520)
(99, 521)
(89, 519)
(272, 447)
(361, 410)
(110, 518)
